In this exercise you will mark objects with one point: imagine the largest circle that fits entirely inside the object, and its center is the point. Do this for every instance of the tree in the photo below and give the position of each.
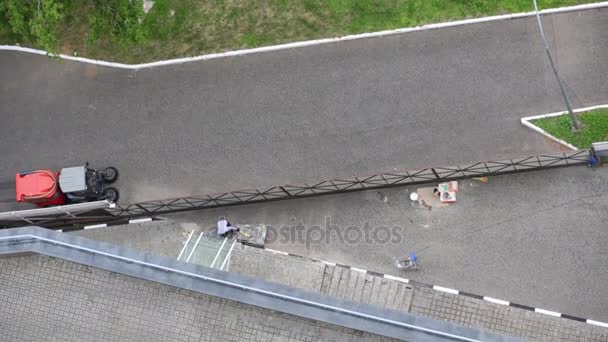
(35, 21)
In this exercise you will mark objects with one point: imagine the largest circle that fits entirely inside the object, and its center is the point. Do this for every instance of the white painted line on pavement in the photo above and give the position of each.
(93, 226)
(314, 42)
(403, 280)
(195, 246)
(496, 301)
(445, 289)
(360, 270)
(527, 121)
(274, 251)
(185, 245)
(600, 324)
(141, 220)
(547, 312)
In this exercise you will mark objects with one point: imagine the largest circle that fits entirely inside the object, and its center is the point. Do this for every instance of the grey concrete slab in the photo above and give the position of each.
(406, 101)
(47, 299)
(158, 238)
(230, 286)
(507, 320)
(537, 238)
(307, 274)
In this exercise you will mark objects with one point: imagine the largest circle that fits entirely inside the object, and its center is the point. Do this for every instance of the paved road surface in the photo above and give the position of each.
(420, 99)
(165, 237)
(537, 238)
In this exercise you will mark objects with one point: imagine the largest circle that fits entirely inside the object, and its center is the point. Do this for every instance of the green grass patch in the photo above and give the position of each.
(594, 127)
(180, 28)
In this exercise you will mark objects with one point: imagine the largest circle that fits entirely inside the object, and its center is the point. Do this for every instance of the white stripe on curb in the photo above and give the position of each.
(547, 312)
(599, 324)
(360, 270)
(93, 226)
(456, 292)
(403, 280)
(445, 289)
(314, 42)
(527, 121)
(328, 263)
(147, 219)
(275, 251)
(496, 301)
(577, 110)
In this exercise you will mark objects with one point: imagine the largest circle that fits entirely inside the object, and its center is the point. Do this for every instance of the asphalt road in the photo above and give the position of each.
(535, 238)
(430, 98)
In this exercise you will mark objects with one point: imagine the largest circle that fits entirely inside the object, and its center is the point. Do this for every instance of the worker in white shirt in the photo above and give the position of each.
(224, 228)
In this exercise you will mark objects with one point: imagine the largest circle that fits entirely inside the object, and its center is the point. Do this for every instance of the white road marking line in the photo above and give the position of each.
(360, 270)
(185, 245)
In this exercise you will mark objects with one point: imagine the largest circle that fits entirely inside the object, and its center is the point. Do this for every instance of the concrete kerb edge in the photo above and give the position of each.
(527, 121)
(447, 290)
(248, 290)
(306, 43)
(116, 223)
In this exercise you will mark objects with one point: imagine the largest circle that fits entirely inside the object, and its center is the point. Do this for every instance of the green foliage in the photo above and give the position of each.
(43, 25)
(34, 20)
(594, 127)
(118, 30)
(168, 18)
(119, 19)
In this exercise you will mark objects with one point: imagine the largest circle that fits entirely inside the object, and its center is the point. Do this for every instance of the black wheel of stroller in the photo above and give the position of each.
(111, 194)
(110, 174)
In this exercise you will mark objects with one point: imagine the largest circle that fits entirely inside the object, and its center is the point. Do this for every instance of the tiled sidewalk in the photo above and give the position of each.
(314, 275)
(47, 299)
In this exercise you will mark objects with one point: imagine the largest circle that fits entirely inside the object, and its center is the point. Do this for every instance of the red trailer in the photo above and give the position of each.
(69, 185)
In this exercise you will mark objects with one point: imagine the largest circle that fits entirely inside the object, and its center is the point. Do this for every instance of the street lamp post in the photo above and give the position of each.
(575, 125)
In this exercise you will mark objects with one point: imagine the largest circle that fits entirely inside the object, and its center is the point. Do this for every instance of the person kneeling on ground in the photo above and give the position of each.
(224, 228)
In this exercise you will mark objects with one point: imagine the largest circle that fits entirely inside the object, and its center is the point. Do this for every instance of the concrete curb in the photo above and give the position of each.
(235, 287)
(448, 290)
(105, 225)
(527, 121)
(312, 42)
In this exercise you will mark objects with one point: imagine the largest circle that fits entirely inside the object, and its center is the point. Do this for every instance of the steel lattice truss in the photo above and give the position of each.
(326, 187)
(349, 184)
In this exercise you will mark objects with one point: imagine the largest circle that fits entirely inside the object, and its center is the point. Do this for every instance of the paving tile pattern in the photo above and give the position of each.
(502, 319)
(47, 299)
(365, 288)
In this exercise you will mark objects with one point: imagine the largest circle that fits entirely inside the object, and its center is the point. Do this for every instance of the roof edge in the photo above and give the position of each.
(235, 287)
